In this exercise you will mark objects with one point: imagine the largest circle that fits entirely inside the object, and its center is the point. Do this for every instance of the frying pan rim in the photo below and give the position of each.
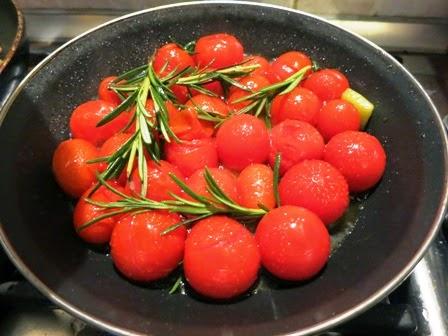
(328, 323)
(17, 37)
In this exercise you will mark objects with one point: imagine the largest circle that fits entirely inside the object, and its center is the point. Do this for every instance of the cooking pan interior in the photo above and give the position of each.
(393, 224)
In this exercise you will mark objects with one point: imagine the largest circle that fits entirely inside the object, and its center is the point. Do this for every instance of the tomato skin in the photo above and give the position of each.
(70, 168)
(263, 70)
(110, 146)
(300, 104)
(190, 156)
(242, 140)
(296, 141)
(171, 57)
(85, 117)
(223, 177)
(252, 82)
(294, 243)
(99, 232)
(218, 51)
(214, 86)
(287, 64)
(255, 185)
(186, 125)
(212, 105)
(138, 249)
(327, 83)
(359, 156)
(104, 93)
(221, 258)
(317, 186)
(181, 93)
(160, 184)
(337, 116)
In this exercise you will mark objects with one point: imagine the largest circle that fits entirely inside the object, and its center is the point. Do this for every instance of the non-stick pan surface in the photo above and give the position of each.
(394, 226)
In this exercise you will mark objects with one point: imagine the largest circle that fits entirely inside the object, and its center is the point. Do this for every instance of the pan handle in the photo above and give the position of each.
(11, 77)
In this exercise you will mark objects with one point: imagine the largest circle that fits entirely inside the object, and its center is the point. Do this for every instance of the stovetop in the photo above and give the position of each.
(418, 307)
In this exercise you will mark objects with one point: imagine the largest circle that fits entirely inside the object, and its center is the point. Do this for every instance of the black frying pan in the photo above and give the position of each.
(11, 31)
(393, 229)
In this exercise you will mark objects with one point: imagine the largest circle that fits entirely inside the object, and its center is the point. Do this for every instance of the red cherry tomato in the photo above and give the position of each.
(218, 51)
(181, 93)
(160, 184)
(255, 186)
(85, 117)
(242, 140)
(264, 66)
(254, 83)
(287, 64)
(327, 83)
(106, 94)
(190, 156)
(294, 243)
(171, 57)
(337, 116)
(138, 249)
(186, 125)
(317, 186)
(359, 156)
(212, 105)
(99, 232)
(70, 168)
(296, 141)
(113, 144)
(221, 258)
(214, 86)
(223, 177)
(300, 104)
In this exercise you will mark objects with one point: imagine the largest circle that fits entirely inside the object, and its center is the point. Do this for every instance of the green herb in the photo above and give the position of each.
(200, 207)
(261, 99)
(176, 285)
(278, 159)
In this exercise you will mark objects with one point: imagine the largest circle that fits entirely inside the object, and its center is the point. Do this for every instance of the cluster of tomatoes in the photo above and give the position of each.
(324, 157)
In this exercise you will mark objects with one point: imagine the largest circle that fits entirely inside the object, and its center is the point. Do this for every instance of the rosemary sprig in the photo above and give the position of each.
(200, 206)
(260, 100)
(278, 159)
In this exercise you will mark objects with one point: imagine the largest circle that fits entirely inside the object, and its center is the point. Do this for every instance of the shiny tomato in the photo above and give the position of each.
(171, 57)
(242, 140)
(99, 232)
(218, 51)
(139, 250)
(186, 124)
(294, 244)
(106, 94)
(224, 178)
(296, 141)
(255, 186)
(337, 116)
(317, 186)
(287, 64)
(214, 86)
(327, 83)
(190, 156)
(212, 105)
(359, 156)
(160, 184)
(254, 83)
(300, 104)
(221, 258)
(181, 93)
(70, 168)
(85, 117)
(113, 144)
(264, 66)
